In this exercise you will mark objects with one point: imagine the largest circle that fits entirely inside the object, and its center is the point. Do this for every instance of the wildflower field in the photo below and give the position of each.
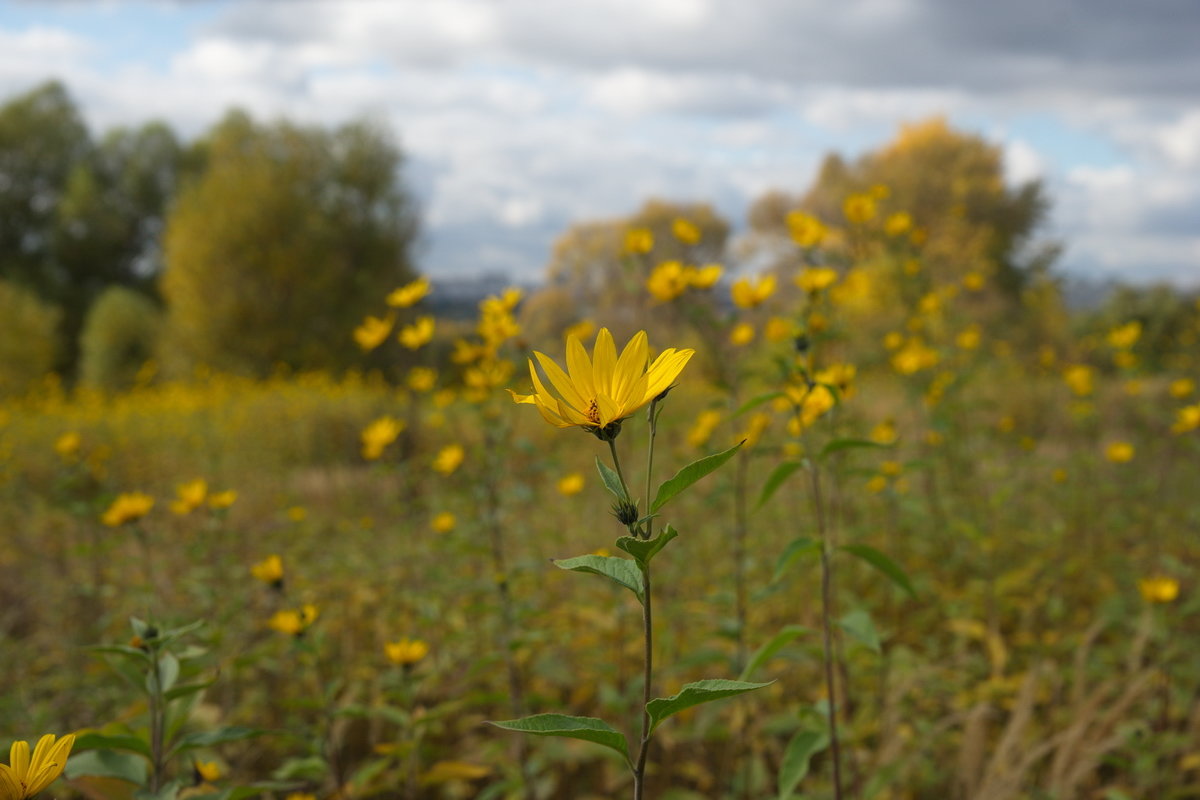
(916, 543)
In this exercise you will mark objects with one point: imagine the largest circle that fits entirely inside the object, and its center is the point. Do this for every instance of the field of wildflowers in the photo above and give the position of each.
(916, 544)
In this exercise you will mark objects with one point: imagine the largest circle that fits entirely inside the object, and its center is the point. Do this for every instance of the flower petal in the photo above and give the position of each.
(666, 369)
(18, 759)
(580, 367)
(604, 362)
(10, 785)
(561, 382)
(630, 367)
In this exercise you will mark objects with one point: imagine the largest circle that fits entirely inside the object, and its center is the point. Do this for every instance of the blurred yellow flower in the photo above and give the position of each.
(1119, 452)
(1125, 359)
(378, 435)
(410, 294)
(25, 775)
(748, 294)
(1187, 419)
(805, 229)
(1080, 378)
(885, 432)
(810, 403)
(1059, 475)
(189, 496)
(704, 277)
(489, 373)
(777, 329)
(758, 424)
(703, 428)
(449, 458)
(685, 231)
(667, 281)
(225, 499)
(880, 191)
(639, 240)
(406, 652)
(913, 357)
(294, 621)
(859, 208)
(67, 445)
(1181, 388)
(465, 352)
(898, 224)
(446, 771)
(297, 513)
(269, 570)
(742, 334)
(1159, 589)
(973, 281)
(443, 522)
(570, 484)
(373, 331)
(127, 507)
(814, 279)
(968, 338)
(840, 376)
(894, 340)
(1125, 336)
(582, 329)
(598, 393)
(877, 484)
(422, 379)
(207, 770)
(418, 334)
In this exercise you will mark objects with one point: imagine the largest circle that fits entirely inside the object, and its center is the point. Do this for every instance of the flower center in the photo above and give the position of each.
(593, 412)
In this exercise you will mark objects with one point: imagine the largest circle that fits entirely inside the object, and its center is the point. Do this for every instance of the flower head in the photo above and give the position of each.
(449, 458)
(373, 331)
(570, 484)
(24, 776)
(748, 295)
(444, 522)
(1119, 452)
(685, 231)
(128, 507)
(406, 651)
(378, 435)
(410, 294)
(1159, 589)
(67, 445)
(269, 571)
(814, 279)
(294, 621)
(189, 496)
(597, 393)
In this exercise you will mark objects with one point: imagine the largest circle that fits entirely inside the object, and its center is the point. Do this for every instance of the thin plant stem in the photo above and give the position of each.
(827, 630)
(156, 724)
(612, 448)
(639, 772)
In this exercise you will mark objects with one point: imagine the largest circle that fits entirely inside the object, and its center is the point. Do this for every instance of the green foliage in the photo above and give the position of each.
(119, 336)
(588, 729)
(690, 474)
(622, 571)
(286, 236)
(696, 693)
(28, 339)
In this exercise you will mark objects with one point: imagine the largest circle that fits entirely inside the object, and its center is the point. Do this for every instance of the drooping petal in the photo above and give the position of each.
(666, 369)
(630, 366)
(604, 362)
(549, 414)
(580, 367)
(49, 759)
(561, 382)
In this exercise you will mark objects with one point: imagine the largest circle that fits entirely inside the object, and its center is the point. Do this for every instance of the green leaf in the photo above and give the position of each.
(168, 791)
(797, 548)
(108, 764)
(121, 650)
(690, 474)
(189, 688)
(622, 570)
(103, 741)
(611, 480)
(643, 550)
(800, 750)
(209, 738)
(860, 627)
(776, 479)
(846, 444)
(693, 694)
(755, 402)
(884, 564)
(168, 673)
(765, 653)
(589, 729)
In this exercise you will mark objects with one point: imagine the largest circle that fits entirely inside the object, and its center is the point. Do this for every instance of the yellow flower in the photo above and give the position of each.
(465, 352)
(570, 484)
(859, 208)
(1125, 336)
(1187, 419)
(294, 621)
(805, 229)
(748, 295)
(449, 458)
(418, 334)
(1181, 388)
(891, 468)
(703, 429)
(219, 500)
(885, 432)
(742, 334)
(410, 294)
(1159, 589)
(705, 277)
(898, 224)
(1119, 452)
(373, 331)
(968, 339)
(24, 776)
(1125, 359)
(877, 484)
(189, 496)
(754, 430)
(685, 231)
(811, 404)
(598, 393)
(297, 513)
(67, 445)
(973, 281)
(814, 279)
(880, 191)
(893, 340)
(1079, 378)
(913, 357)
(446, 771)
(1059, 475)
(207, 770)
(128, 507)
(378, 435)
(667, 281)
(583, 329)
(777, 329)
(639, 240)
(406, 651)
(422, 379)
(443, 522)
(269, 570)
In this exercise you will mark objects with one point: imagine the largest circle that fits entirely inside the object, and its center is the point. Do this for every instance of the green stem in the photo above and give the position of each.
(827, 632)
(612, 448)
(156, 725)
(639, 771)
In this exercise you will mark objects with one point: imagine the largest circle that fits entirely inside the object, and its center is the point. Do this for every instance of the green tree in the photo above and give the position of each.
(288, 233)
(28, 339)
(119, 336)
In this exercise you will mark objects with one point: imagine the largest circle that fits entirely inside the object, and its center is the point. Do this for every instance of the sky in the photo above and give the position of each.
(521, 117)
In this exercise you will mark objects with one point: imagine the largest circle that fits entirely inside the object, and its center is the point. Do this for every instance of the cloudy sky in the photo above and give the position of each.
(522, 116)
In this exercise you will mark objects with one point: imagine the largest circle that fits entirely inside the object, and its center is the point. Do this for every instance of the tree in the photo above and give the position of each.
(273, 252)
(119, 337)
(28, 339)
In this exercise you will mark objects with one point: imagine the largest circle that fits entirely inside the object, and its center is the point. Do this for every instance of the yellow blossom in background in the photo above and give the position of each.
(378, 435)
(465, 352)
(639, 240)
(1125, 359)
(128, 507)
(269, 570)
(406, 652)
(855, 290)
(840, 376)
(859, 208)
(207, 770)
(685, 231)
(410, 294)
(891, 468)
(1181, 388)
(443, 522)
(597, 392)
(373, 331)
(449, 458)
(894, 340)
(814, 279)
(934, 438)
(810, 403)
(930, 304)
(777, 329)
(220, 500)
(1159, 589)
(667, 281)
(583, 329)
(1125, 336)
(805, 229)
(421, 379)
(913, 357)
(702, 429)
(748, 294)
(877, 484)
(443, 398)
(1119, 452)
(297, 513)
(817, 322)
(885, 432)
(1006, 424)
(570, 484)
(898, 224)
(26, 775)
(418, 334)
(1187, 419)
(67, 445)
(911, 266)
(496, 323)
(880, 191)
(189, 496)
(755, 427)
(1059, 475)
(968, 338)
(1080, 378)
(704, 277)
(741, 334)
(973, 281)
(489, 374)
(294, 622)
(446, 771)
(300, 796)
